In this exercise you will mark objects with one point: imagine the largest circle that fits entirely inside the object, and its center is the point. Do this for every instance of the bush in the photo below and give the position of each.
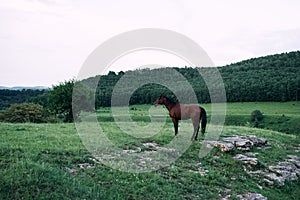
(256, 118)
(256, 115)
(25, 112)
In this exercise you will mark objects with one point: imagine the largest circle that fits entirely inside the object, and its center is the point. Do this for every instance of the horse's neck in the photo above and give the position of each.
(169, 105)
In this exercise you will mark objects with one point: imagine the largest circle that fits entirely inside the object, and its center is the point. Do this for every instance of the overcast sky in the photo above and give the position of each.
(43, 42)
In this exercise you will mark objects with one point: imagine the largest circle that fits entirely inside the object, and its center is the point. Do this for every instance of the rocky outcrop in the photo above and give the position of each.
(283, 171)
(237, 142)
(289, 169)
(279, 173)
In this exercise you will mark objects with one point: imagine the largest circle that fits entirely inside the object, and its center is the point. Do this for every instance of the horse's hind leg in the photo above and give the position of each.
(196, 129)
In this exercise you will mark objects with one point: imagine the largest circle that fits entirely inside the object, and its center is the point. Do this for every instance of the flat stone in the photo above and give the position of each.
(251, 154)
(200, 171)
(252, 196)
(138, 149)
(264, 147)
(71, 170)
(150, 144)
(269, 182)
(283, 171)
(85, 166)
(246, 159)
(223, 146)
(294, 159)
(274, 177)
(239, 142)
(257, 141)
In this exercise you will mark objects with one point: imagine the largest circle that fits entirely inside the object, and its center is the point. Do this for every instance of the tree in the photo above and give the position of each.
(65, 95)
(60, 100)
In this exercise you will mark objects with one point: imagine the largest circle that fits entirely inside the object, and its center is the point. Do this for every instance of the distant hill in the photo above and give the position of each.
(25, 88)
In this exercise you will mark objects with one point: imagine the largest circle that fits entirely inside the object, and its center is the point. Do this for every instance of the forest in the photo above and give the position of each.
(269, 78)
(10, 97)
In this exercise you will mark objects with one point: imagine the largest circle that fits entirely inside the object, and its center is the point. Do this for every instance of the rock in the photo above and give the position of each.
(283, 171)
(241, 143)
(138, 149)
(246, 159)
(272, 176)
(245, 142)
(71, 170)
(155, 147)
(257, 141)
(252, 196)
(223, 146)
(264, 147)
(151, 145)
(270, 183)
(286, 169)
(251, 154)
(294, 159)
(85, 166)
(260, 187)
(200, 171)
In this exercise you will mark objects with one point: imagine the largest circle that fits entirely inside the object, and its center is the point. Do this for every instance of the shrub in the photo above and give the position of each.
(25, 112)
(256, 115)
(256, 118)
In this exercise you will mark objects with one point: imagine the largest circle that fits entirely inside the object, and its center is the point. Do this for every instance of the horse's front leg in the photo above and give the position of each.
(175, 122)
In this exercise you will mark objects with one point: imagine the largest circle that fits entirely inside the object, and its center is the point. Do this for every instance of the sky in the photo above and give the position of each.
(44, 42)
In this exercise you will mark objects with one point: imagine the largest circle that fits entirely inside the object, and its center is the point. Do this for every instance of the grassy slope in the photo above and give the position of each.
(34, 159)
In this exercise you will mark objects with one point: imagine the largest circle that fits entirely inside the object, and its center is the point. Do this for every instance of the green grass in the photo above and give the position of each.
(278, 116)
(35, 160)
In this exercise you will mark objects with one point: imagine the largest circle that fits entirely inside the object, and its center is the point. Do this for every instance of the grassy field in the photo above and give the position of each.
(49, 161)
(278, 116)
(283, 117)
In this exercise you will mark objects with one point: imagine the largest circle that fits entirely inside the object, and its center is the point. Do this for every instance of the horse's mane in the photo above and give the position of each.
(171, 101)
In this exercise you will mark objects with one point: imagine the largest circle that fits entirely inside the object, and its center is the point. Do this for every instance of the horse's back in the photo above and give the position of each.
(190, 111)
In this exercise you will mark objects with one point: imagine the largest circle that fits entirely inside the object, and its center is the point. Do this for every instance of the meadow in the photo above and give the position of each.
(49, 161)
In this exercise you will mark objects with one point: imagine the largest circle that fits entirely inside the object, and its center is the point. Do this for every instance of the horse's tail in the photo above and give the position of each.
(203, 120)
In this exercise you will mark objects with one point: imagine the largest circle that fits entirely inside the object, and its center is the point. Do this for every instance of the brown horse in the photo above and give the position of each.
(178, 112)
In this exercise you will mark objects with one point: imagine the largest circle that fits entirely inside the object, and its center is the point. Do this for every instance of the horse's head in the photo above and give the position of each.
(160, 100)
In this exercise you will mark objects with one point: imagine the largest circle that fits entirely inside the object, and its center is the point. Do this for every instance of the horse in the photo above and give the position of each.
(179, 111)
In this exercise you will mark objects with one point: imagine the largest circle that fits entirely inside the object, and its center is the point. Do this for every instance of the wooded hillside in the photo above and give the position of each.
(269, 78)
